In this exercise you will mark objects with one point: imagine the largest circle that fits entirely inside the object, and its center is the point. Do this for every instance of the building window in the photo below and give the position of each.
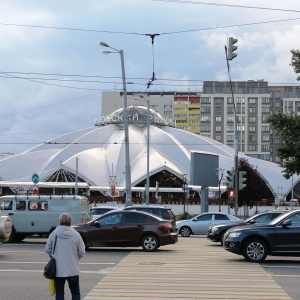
(205, 118)
(252, 100)
(265, 100)
(218, 128)
(230, 128)
(265, 128)
(218, 110)
(218, 119)
(252, 119)
(252, 128)
(265, 110)
(229, 138)
(265, 148)
(230, 119)
(230, 109)
(229, 100)
(219, 100)
(218, 138)
(277, 95)
(205, 128)
(252, 110)
(251, 147)
(265, 138)
(277, 104)
(252, 138)
(205, 100)
(205, 109)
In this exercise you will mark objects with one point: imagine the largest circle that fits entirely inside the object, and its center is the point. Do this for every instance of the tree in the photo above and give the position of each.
(256, 188)
(288, 128)
(295, 63)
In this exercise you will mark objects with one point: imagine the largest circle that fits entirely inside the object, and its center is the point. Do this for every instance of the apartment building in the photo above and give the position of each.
(212, 112)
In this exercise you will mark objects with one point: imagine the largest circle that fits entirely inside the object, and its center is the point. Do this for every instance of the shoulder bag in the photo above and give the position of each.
(50, 268)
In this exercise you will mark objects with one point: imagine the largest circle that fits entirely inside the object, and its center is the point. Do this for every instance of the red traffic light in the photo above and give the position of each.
(231, 193)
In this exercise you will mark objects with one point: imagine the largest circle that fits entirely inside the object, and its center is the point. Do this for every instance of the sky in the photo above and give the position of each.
(53, 70)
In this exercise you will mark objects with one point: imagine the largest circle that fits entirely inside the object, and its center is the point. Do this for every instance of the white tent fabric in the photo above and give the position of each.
(100, 152)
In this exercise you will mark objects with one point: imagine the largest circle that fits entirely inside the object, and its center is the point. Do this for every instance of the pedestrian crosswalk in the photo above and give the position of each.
(194, 268)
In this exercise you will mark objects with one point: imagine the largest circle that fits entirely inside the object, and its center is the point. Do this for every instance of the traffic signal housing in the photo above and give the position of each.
(231, 197)
(242, 179)
(230, 179)
(231, 48)
(113, 190)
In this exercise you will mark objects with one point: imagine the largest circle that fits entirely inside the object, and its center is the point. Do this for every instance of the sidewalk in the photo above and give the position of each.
(194, 268)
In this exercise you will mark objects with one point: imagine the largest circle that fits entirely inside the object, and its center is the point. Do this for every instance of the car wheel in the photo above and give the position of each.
(150, 243)
(185, 231)
(255, 250)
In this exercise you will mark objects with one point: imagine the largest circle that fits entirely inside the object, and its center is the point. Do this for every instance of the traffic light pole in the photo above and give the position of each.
(236, 137)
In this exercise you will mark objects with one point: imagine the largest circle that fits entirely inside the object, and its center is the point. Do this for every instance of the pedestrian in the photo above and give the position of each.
(69, 250)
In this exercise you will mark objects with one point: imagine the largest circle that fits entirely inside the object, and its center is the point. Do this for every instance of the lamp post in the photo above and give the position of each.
(184, 192)
(219, 182)
(148, 146)
(126, 135)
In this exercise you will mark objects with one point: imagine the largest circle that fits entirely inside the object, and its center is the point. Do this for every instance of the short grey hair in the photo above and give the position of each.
(65, 219)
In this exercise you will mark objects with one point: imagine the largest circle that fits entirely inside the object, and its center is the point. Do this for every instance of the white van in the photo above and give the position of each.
(36, 214)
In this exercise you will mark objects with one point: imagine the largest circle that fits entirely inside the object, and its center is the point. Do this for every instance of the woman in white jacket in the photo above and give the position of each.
(69, 250)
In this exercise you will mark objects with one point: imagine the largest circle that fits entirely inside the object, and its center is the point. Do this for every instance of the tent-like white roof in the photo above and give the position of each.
(101, 154)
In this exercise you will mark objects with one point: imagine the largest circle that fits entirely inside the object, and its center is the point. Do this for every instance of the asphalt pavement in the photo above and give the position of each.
(194, 268)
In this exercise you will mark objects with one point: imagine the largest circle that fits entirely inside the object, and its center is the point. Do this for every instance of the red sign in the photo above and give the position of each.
(35, 190)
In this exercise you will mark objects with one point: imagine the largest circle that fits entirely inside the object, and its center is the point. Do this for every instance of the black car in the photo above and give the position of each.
(215, 233)
(280, 237)
(157, 210)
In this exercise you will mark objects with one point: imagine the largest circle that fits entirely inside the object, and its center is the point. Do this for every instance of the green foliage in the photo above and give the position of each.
(288, 128)
(256, 188)
(184, 216)
(295, 62)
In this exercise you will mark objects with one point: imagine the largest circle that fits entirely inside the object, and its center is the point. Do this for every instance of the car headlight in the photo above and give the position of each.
(213, 229)
(234, 234)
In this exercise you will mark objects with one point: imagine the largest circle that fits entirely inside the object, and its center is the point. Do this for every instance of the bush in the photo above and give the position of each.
(184, 216)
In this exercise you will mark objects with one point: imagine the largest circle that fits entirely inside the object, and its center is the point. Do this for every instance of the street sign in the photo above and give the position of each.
(35, 178)
(35, 190)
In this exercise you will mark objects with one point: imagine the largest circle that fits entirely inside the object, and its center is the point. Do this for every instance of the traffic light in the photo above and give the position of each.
(231, 197)
(113, 190)
(242, 179)
(231, 48)
(230, 179)
(231, 194)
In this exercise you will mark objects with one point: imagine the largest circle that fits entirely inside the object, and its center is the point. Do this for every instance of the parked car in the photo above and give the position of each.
(158, 210)
(128, 228)
(97, 211)
(201, 223)
(280, 237)
(215, 233)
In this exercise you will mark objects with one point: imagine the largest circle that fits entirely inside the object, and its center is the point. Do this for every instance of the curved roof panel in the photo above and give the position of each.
(101, 154)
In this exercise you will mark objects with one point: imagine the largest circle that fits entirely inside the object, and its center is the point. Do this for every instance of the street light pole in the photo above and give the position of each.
(126, 135)
(148, 147)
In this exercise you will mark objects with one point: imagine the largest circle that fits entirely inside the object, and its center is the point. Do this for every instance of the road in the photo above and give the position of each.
(194, 266)
(21, 266)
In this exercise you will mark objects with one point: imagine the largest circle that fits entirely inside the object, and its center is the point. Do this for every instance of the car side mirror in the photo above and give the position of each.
(252, 221)
(97, 224)
(287, 223)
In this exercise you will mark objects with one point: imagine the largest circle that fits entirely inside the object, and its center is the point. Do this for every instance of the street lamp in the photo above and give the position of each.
(148, 147)
(219, 182)
(126, 136)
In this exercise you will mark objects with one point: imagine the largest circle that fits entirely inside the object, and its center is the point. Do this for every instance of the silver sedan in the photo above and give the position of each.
(201, 223)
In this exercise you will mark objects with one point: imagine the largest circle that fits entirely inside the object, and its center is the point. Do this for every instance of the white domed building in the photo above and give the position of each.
(96, 155)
